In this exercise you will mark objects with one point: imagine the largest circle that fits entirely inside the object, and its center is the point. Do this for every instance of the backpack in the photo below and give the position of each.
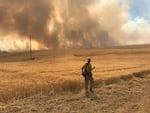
(84, 73)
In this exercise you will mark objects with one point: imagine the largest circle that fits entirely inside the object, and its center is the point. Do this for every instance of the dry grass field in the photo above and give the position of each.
(55, 75)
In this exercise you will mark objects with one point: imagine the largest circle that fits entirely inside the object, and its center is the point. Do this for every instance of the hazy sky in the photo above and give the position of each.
(140, 8)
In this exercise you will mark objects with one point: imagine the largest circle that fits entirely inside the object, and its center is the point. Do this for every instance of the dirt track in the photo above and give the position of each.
(131, 96)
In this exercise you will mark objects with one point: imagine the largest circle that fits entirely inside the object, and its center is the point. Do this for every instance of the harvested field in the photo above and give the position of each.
(53, 81)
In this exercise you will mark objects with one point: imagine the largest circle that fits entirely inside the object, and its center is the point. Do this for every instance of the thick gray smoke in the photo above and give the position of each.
(54, 23)
(84, 29)
(27, 17)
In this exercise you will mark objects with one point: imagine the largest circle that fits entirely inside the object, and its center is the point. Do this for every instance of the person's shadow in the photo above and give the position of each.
(92, 96)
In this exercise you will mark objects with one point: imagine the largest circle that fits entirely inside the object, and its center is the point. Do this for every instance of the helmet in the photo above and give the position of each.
(89, 60)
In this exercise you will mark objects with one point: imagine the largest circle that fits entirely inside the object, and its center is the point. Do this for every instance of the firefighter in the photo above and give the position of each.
(87, 73)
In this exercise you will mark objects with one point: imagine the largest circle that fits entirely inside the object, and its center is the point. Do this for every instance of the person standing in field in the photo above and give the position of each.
(87, 73)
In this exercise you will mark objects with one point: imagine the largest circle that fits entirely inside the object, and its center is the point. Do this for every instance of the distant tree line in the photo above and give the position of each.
(3, 52)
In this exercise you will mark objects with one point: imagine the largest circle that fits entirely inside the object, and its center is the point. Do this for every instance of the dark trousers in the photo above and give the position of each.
(89, 81)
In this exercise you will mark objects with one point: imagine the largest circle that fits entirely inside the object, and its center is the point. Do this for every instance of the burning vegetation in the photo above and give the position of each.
(59, 24)
(66, 24)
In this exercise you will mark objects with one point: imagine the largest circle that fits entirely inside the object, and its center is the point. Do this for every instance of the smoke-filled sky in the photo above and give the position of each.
(73, 23)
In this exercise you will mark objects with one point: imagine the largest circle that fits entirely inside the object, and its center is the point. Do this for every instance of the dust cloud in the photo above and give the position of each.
(65, 23)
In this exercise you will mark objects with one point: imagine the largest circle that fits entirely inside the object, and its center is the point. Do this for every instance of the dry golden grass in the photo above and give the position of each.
(58, 71)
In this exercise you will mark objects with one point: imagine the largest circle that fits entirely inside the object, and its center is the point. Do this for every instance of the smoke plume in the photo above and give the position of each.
(65, 23)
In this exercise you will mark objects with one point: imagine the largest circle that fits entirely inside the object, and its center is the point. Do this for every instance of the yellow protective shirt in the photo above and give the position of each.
(87, 67)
